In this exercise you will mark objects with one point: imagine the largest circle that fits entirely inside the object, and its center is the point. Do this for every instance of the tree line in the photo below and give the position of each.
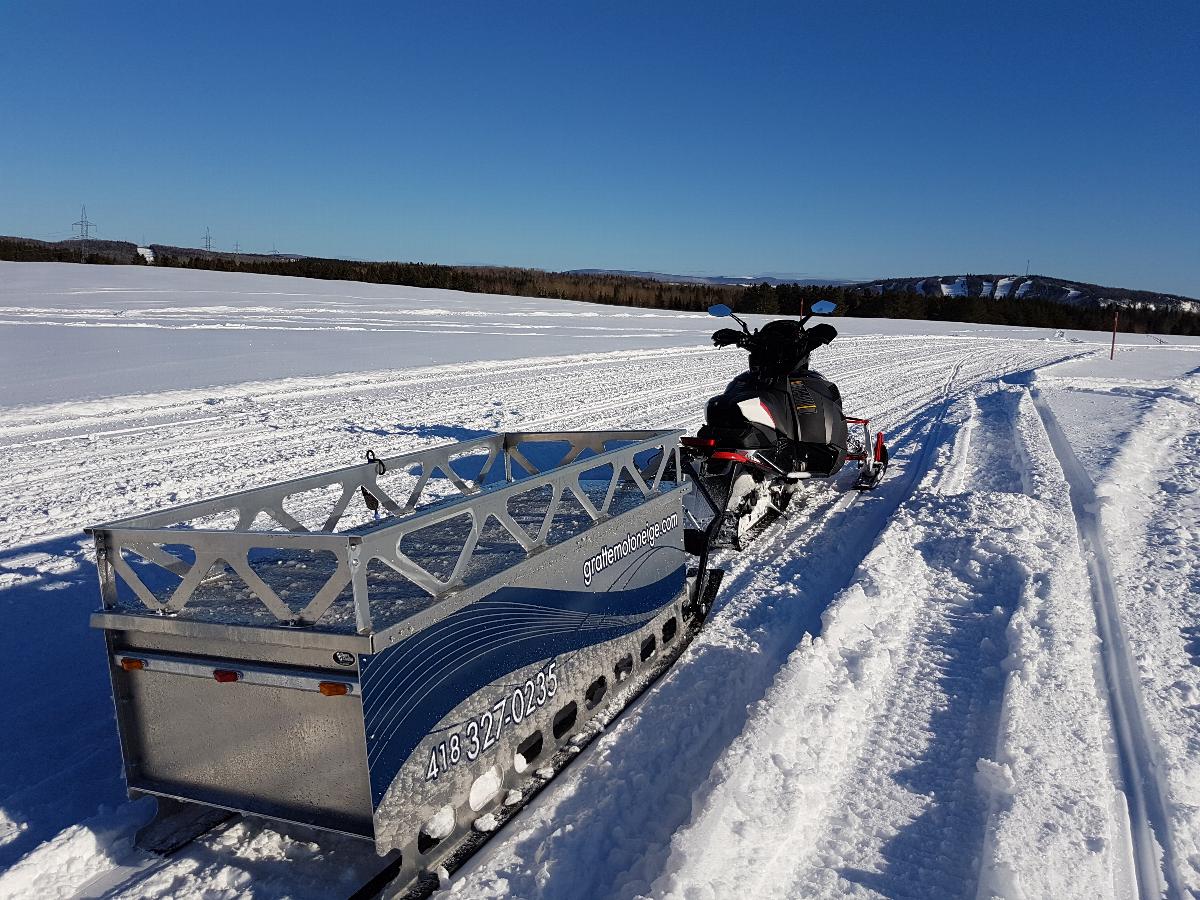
(623, 290)
(766, 299)
(19, 249)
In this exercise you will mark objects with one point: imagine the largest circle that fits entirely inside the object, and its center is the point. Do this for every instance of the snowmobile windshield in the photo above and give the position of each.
(780, 348)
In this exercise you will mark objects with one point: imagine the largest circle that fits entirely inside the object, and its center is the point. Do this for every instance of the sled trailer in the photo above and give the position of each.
(403, 649)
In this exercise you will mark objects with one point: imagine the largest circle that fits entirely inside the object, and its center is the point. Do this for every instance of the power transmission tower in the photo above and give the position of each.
(84, 232)
(207, 240)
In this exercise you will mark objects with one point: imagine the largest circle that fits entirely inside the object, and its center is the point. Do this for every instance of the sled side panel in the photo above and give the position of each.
(447, 709)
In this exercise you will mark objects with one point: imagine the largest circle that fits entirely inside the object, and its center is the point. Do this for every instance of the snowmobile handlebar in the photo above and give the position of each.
(811, 338)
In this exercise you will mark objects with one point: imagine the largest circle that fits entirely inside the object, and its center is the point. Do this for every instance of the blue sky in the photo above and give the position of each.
(846, 140)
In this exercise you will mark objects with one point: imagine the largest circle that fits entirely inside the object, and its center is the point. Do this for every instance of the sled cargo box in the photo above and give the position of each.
(386, 650)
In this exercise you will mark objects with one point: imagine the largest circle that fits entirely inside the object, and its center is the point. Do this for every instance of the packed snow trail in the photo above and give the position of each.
(867, 768)
(914, 779)
(642, 774)
(70, 464)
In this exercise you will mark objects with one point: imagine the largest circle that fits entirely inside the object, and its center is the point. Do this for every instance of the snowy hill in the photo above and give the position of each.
(980, 679)
(1040, 287)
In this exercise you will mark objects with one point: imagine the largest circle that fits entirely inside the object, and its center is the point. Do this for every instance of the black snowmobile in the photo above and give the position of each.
(773, 427)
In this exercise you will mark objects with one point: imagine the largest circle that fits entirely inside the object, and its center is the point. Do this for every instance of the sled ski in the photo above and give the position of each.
(871, 454)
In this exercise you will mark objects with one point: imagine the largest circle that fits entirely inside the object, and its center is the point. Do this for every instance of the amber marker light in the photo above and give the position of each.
(333, 688)
(129, 664)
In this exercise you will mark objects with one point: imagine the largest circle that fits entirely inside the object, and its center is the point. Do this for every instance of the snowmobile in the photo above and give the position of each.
(775, 425)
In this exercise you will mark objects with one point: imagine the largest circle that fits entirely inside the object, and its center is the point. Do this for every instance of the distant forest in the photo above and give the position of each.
(114, 253)
(621, 290)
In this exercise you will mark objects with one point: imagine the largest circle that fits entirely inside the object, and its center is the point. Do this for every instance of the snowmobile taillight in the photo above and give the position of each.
(130, 664)
(731, 455)
(225, 676)
(333, 688)
(851, 420)
(698, 442)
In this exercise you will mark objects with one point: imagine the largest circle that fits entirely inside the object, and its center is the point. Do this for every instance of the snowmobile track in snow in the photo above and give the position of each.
(1148, 820)
(913, 778)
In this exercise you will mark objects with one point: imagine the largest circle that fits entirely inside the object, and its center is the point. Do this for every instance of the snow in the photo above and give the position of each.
(880, 732)
(441, 825)
(1149, 513)
(957, 288)
(898, 693)
(484, 789)
(486, 823)
(1004, 287)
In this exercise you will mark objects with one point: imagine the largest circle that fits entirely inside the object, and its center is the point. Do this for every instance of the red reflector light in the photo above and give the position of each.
(731, 455)
(698, 442)
(333, 688)
(225, 675)
(851, 420)
(129, 664)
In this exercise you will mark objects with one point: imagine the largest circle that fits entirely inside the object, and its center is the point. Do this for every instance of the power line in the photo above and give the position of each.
(83, 232)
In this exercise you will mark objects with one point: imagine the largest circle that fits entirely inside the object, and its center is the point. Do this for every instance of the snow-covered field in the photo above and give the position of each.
(979, 680)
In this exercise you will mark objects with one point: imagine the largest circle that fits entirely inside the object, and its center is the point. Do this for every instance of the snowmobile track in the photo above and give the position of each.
(914, 772)
(1148, 820)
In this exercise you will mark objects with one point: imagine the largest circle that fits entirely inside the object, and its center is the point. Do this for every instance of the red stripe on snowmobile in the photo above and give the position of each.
(732, 455)
(879, 446)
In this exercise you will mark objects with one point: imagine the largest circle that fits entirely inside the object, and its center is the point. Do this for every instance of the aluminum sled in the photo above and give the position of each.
(401, 650)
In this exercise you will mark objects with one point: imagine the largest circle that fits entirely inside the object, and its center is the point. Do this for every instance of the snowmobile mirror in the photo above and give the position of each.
(822, 308)
(720, 311)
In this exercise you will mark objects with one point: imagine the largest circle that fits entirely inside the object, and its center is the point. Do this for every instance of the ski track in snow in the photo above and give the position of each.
(1146, 515)
(615, 812)
(1152, 848)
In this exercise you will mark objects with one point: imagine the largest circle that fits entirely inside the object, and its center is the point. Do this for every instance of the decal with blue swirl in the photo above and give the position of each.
(409, 688)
